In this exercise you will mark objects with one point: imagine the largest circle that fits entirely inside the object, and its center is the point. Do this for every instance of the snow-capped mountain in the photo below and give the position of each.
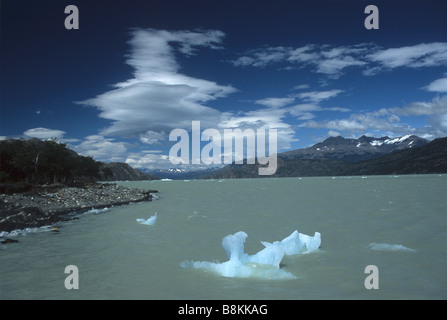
(337, 157)
(180, 173)
(363, 148)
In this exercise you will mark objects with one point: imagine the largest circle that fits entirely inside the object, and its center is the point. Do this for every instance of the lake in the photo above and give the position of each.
(397, 224)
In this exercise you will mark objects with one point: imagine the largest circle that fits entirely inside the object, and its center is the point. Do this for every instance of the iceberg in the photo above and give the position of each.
(264, 264)
(151, 221)
(297, 243)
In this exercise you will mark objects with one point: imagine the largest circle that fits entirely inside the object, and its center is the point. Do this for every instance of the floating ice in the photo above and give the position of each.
(98, 211)
(151, 221)
(264, 264)
(297, 243)
(389, 247)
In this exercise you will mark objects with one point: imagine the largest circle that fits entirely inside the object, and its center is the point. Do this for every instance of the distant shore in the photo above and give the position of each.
(46, 205)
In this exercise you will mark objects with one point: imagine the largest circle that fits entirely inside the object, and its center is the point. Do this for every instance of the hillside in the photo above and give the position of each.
(119, 171)
(24, 163)
(430, 158)
(352, 150)
(426, 158)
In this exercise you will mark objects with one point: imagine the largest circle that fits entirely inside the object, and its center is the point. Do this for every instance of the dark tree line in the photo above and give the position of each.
(39, 162)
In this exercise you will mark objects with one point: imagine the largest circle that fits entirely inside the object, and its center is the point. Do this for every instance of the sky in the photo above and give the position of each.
(134, 71)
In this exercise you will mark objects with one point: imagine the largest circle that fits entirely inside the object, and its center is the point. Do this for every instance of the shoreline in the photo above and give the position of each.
(47, 205)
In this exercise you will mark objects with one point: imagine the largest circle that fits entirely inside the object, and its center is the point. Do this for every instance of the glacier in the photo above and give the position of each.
(264, 264)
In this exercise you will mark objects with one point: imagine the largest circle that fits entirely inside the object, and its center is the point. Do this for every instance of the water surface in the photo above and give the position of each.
(398, 224)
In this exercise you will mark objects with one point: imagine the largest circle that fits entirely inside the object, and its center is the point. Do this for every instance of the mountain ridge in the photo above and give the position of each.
(402, 155)
(352, 150)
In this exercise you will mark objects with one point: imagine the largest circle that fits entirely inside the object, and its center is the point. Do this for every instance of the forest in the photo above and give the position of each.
(34, 162)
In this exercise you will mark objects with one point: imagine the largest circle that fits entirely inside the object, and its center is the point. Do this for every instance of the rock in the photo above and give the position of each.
(7, 240)
(44, 205)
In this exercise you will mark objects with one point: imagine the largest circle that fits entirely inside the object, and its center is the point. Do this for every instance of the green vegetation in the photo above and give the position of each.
(43, 162)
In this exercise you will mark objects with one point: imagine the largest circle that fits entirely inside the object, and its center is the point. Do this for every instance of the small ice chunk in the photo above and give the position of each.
(389, 247)
(151, 221)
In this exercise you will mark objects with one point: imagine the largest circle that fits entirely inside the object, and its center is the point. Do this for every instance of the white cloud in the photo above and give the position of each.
(301, 109)
(318, 96)
(159, 98)
(439, 85)
(148, 160)
(263, 57)
(389, 121)
(437, 106)
(358, 123)
(275, 102)
(332, 133)
(265, 119)
(152, 137)
(44, 133)
(416, 56)
(301, 87)
(333, 60)
(102, 149)
(325, 59)
(305, 54)
(335, 66)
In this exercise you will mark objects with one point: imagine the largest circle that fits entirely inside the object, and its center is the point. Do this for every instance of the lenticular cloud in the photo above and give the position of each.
(158, 98)
(264, 264)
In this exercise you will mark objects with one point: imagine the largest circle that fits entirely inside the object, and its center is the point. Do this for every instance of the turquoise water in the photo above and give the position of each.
(398, 224)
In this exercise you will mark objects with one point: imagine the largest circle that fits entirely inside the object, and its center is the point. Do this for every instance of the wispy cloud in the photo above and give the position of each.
(276, 102)
(391, 121)
(435, 107)
(318, 96)
(416, 56)
(332, 61)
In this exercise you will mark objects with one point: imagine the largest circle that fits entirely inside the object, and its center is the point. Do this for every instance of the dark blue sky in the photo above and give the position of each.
(135, 70)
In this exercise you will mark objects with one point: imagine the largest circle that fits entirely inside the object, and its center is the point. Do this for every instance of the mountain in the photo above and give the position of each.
(335, 157)
(119, 171)
(427, 159)
(180, 174)
(352, 150)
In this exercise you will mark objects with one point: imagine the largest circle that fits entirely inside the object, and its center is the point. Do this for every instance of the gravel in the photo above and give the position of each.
(46, 205)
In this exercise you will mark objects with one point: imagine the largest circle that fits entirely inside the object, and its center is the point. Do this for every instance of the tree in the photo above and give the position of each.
(107, 173)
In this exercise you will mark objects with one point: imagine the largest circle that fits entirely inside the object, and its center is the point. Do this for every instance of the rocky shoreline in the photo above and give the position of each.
(46, 205)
